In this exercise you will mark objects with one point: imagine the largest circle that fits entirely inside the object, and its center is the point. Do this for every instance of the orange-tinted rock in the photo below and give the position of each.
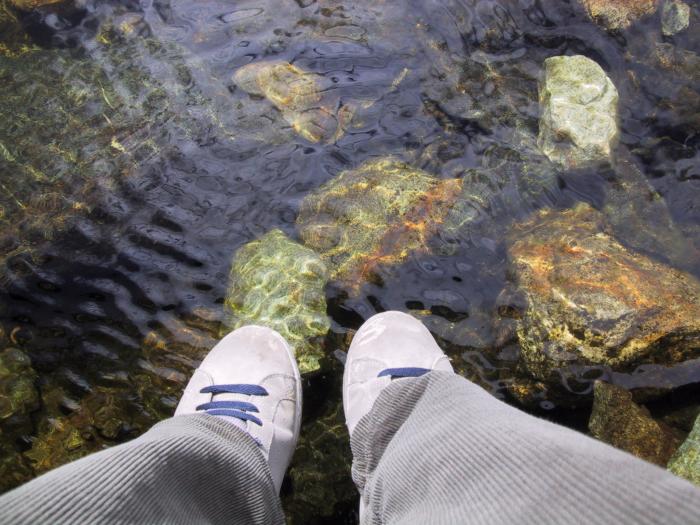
(372, 216)
(618, 14)
(591, 301)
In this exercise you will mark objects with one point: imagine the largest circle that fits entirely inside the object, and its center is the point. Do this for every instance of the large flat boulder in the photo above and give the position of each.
(374, 216)
(592, 301)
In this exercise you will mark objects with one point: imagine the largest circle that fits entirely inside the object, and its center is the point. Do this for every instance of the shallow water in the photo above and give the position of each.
(132, 169)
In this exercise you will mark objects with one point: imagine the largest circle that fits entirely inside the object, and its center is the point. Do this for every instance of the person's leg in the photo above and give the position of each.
(221, 459)
(439, 449)
(187, 469)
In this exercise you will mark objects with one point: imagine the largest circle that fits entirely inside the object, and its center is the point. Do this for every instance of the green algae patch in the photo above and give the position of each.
(372, 216)
(686, 460)
(278, 283)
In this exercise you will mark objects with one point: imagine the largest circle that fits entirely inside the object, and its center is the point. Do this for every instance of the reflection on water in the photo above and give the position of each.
(139, 151)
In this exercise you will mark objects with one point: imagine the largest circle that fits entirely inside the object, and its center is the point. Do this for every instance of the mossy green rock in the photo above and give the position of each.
(620, 422)
(279, 283)
(686, 461)
(579, 122)
(372, 216)
(18, 394)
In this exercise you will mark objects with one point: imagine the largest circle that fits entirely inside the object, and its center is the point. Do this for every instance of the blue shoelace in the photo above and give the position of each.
(403, 372)
(237, 409)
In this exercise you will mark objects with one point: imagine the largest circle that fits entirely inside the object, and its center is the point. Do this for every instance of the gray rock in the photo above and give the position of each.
(578, 122)
(675, 17)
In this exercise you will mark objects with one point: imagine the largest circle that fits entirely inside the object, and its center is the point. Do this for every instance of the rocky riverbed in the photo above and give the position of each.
(520, 176)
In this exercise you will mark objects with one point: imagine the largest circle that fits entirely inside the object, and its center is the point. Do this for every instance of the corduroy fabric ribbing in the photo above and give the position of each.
(439, 449)
(187, 469)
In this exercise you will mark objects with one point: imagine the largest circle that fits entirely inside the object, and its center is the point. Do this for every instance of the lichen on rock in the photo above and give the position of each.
(278, 283)
(591, 301)
(372, 216)
(620, 422)
(579, 120)
(686, 461)
(618, 14)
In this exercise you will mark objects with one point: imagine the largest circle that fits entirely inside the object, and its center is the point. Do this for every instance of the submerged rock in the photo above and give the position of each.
(675, 17)
(28, 5)
(18, 393)
(578, 123)
(374, 215)
(278, 283)
(640, 218)
(296, 93)
(686, 461)
(620, 422)
(618, 14)
(591, 301)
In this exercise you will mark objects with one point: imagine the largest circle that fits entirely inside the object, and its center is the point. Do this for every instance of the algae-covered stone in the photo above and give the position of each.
(618, 14)
(591, 301)
(579, 121)
(373, 215)
(18, 393)
(686, 461)
(296, 93)
(620, 422)
(675, 17)
(278, 283)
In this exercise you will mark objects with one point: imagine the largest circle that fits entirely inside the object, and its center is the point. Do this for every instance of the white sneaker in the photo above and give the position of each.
(390, 345)
(251, 379)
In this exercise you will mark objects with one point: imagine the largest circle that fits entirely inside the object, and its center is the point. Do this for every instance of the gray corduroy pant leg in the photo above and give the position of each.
(439, 449)
(187, 469)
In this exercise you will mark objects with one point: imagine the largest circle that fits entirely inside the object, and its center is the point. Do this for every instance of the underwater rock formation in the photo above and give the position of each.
(640, 217)
(591, 301)
(372, 216)
(686, 461)
(618, 14)
(675, 17)
(578, 124)
(297, 94)
(620, 422)
(278, 283)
